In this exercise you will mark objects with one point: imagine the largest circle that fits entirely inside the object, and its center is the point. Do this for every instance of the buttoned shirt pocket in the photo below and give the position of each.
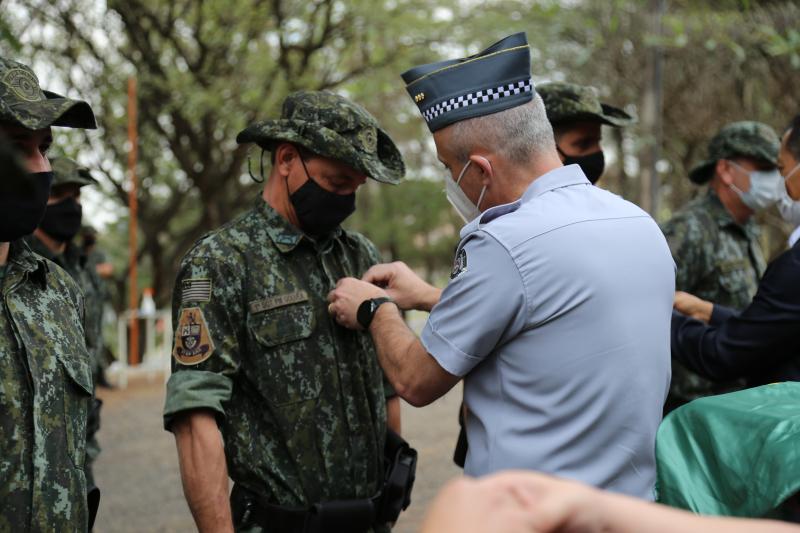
(77, 394)
(291, 372)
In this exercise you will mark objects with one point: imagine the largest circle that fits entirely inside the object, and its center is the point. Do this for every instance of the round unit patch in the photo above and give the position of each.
(23, 83)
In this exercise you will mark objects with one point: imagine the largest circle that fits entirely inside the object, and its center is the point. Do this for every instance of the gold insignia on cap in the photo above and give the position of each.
(193, 344)
(419, 97)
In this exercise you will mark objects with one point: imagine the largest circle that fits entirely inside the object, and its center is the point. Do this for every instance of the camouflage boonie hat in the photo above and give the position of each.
(565, 102)
(66, 171)
(23, 102)
(738, 139)
(331, 126)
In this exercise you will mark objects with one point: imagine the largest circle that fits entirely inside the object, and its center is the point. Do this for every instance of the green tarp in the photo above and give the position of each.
(735, 454)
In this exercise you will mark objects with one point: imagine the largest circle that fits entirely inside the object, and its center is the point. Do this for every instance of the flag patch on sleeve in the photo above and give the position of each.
(195, 290)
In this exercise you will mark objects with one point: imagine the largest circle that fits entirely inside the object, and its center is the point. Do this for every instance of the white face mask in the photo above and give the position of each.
(765, 188)
(789, 209)
(459, 200)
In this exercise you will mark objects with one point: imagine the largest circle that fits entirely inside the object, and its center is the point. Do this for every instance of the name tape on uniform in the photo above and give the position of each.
(259, 306)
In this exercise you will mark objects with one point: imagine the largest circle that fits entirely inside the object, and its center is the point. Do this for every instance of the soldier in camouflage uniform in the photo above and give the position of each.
(54, 240)
(301, 402)
(45, 368)
(577, 115)
(714, 239)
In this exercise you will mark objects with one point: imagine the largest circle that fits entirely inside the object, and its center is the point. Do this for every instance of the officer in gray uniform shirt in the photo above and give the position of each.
(557, 313)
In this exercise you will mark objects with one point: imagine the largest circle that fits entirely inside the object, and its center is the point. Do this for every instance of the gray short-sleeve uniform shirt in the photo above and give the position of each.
(558, 315)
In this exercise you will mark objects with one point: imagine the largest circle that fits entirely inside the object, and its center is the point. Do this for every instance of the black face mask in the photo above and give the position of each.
(62, 221)
(22, 204)
(592, 164)
(320, 211)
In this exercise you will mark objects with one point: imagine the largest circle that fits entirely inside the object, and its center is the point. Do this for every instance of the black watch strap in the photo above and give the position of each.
(366, 311)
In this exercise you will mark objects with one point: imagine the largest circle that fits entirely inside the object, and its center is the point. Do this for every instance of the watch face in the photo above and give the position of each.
(364, 313)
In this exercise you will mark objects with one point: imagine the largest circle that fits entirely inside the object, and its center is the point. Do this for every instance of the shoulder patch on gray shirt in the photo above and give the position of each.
(459, 263)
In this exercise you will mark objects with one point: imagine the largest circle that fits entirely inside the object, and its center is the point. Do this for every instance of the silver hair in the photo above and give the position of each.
(518, 134)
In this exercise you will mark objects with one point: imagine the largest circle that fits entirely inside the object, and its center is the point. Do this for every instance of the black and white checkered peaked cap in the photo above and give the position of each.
(493, 80)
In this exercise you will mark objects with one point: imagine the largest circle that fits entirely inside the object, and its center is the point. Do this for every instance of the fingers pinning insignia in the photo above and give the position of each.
(193, 344)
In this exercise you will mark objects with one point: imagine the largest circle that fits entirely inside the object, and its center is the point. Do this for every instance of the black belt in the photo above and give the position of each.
(353, 516)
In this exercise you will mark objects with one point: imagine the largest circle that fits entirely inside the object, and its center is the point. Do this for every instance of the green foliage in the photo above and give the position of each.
(207, 68)
(412, 222)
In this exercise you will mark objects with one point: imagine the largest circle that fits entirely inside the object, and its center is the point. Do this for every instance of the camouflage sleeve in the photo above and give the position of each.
(371, 256)
(207, 313)
(685, 240)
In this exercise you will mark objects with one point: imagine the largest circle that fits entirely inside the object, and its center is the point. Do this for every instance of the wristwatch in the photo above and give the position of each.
(366, 311)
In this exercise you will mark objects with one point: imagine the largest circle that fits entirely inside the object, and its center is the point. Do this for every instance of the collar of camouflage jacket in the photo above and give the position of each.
(724, 218)
(286, 236)
(21, 256)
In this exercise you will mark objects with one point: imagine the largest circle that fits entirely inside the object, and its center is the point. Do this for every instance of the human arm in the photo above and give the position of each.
(755, 340)
(403, 286)
(692, 306)
(483, 305)
(204, 474)
(519, 502)
(414, 374)
(207, 315)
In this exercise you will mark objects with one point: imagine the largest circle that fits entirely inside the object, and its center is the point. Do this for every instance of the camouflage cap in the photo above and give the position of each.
(331, 126)
(738, 139)
(66, 171)
(23, 102)
(566, 102)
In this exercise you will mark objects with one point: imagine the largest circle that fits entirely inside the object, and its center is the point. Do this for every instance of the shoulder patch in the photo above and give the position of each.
(459, 263)
(193, 344)
(195, 290)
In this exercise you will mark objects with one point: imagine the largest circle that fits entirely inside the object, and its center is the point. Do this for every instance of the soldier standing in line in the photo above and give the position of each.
(714, 239)
(300, 401)
(54, 240)
(45, 367)
(577, 115)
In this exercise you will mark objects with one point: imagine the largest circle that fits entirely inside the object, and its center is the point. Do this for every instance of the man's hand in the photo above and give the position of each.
(693, 306)
(403, 286)
(347, 296)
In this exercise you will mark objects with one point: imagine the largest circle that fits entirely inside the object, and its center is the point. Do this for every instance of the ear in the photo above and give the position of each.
(486, 168)
(285, 154)
(723, 170)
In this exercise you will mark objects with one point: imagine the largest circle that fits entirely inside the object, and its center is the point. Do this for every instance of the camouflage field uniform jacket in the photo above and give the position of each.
(718, 260)
(300, 400)
(45, 390)
(78, 267)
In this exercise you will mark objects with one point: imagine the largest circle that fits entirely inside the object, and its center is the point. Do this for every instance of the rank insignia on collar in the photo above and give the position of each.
(193, 345)
(459, 263)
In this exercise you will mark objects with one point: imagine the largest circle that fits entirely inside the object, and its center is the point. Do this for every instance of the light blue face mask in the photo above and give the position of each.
(789, 209)
(765, 188)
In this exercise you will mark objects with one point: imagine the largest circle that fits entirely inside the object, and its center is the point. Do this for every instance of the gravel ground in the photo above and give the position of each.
(137, 470)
